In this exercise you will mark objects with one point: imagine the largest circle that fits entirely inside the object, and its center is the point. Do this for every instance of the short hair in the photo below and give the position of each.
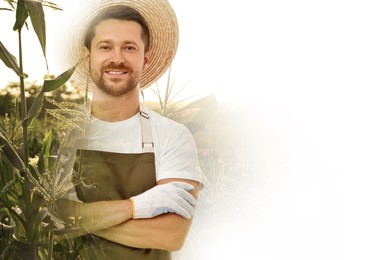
(119, 12)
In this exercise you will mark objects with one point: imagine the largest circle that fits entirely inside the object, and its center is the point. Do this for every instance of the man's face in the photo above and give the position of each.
(117, 57)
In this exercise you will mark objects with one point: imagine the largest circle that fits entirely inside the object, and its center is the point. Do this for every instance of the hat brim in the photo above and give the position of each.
(163, 26)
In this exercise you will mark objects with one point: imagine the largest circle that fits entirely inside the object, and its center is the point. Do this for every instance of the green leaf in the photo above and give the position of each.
(34, 171)
(19, 221)
(10, 152)
(67, 230)
(55, 222)
(9, 60)
(36, 13)
(6, 187)
(6, 9)
(21, 15)
(42, 214)
(44, 153)
(10, 2)
(35, 108)
(49, 85)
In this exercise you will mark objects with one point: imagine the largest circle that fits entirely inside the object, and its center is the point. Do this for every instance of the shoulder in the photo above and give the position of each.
(170, 136)
(175, 150)
(166, 126)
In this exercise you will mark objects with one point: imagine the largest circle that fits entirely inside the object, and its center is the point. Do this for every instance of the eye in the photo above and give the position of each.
(129, 48)
(104, 47)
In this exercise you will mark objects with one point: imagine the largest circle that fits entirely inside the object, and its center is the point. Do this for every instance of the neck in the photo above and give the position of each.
(113, 108)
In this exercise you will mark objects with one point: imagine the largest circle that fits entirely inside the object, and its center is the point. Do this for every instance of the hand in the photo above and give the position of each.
(173, 197)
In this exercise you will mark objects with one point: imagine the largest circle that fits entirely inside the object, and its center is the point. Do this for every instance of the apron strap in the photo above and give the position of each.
(147, 143)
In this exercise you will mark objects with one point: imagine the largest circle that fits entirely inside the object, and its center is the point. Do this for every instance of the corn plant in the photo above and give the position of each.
(29, 185)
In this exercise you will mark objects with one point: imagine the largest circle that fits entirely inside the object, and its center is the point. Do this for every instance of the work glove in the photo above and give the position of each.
(173, 197)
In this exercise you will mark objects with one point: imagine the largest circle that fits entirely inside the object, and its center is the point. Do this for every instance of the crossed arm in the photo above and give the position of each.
(113, 220)
(166, 231)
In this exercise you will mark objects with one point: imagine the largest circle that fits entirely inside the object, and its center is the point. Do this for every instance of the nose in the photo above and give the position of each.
(117, 56)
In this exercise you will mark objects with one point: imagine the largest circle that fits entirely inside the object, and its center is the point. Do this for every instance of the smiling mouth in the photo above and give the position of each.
(110, 72)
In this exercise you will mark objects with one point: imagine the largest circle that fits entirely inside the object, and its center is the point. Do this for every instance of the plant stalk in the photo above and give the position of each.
(50, 234)
(23, 105)
(25, 157)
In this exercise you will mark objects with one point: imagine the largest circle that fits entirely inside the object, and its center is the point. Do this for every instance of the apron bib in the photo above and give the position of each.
(117, 176)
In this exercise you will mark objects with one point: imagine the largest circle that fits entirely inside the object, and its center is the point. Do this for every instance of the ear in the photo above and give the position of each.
(146, 60)
(86, 58)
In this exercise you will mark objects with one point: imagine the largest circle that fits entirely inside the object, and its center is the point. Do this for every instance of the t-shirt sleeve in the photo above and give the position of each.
(178, 156)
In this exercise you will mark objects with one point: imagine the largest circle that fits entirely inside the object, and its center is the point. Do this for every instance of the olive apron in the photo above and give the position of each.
(115, 176)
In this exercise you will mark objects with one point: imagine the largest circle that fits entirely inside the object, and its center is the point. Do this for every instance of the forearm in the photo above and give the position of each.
(167, 231)
(91, 217)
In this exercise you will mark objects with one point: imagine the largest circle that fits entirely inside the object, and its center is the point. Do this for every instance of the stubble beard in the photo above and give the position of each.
(114, 87)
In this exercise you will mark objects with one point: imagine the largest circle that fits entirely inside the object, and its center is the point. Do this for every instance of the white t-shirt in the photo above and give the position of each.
(174, 147)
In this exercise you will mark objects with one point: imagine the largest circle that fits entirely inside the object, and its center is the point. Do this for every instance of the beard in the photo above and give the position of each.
(116, 86)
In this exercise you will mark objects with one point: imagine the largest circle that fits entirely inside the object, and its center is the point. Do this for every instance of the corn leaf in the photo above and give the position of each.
(6, 9)
(10, 2)
(49, 85)
(67, 230)
(10, 152)
(21, 15)
(17, 218)
(36, 13)
(35, 108)
(9, 60)
(41, 215)
(44, 154)
(7, 186)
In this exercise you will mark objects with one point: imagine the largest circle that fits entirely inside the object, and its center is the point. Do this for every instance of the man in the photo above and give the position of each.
(138, 171)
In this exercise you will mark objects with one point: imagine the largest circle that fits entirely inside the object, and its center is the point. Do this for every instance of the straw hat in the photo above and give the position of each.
(162, 23)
